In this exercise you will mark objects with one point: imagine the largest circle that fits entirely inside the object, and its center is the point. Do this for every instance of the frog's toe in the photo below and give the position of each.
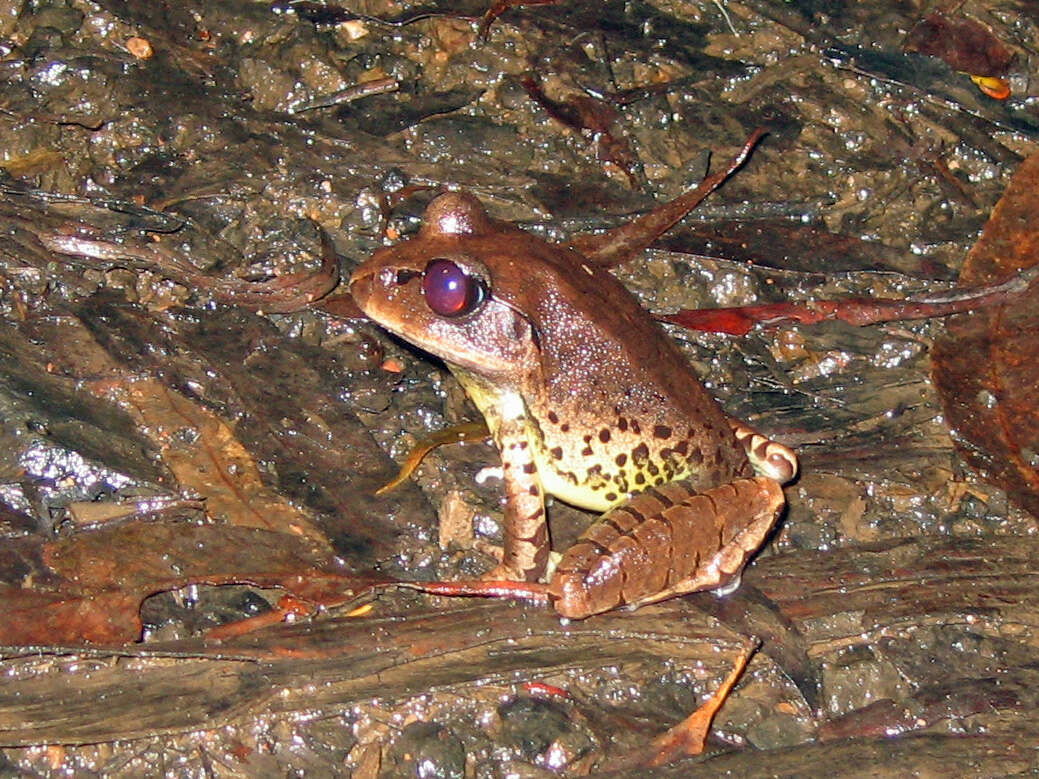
(768, 458)
(730, 586)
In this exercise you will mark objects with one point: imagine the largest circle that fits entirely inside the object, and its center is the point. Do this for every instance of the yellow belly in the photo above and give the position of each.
(580, 495)
(496, 405)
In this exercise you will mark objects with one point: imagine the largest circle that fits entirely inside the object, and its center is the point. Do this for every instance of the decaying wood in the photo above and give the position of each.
(893, 592)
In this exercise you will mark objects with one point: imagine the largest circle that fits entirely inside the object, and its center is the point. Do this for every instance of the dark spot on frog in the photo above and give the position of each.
(635, 427)
(533, 489)
(622, 424)
(587, 452)
(604, 435)
(553, 417)
(595, 471)
(523, 445)
(658, 481)
(565, 427)
(588, 439)
(529, 467)
(657, 495)
(557, 452)
(682, 448)
(621, 459)
(696, 457)
(640, 454)
(610, 496)
(640, 478)
(662, 431)
(653, 469)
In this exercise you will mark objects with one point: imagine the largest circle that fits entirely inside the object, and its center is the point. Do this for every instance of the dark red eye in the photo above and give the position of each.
(449, 290)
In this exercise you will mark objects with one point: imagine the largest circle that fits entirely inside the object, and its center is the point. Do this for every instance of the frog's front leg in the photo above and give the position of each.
(666, 541)
(526, 544)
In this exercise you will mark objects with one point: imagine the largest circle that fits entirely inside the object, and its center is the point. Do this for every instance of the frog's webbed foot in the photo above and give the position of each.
(503, 573)
(768, 458)
(730, 586)
(666, 541)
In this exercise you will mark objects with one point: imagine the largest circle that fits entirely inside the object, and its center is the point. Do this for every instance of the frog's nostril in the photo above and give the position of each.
(404, 276)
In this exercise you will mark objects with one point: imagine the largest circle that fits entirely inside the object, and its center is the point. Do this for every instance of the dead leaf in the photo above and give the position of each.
(962, 44)
(88, 587)
(985, 367)
(206, 458)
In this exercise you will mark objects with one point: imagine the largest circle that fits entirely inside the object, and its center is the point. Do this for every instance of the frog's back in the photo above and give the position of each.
(617, 406)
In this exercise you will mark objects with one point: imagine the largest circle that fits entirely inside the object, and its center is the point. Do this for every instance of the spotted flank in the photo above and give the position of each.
(605, 466)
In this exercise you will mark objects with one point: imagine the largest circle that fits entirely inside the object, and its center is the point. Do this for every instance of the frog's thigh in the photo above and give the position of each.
(768, 458)
(526, 544)
(666, 541)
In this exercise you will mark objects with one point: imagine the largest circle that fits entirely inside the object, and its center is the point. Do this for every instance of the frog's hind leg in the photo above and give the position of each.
(666, 541)
(767, 457)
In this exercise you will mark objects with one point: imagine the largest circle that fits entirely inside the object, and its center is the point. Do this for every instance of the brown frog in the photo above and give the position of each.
(587, 399)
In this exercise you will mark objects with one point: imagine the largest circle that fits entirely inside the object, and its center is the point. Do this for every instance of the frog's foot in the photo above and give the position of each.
(769, 458)
(666, 541)
(730, 586)
(504, 573)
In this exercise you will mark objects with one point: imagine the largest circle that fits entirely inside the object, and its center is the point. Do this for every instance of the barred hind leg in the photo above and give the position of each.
(666, 541)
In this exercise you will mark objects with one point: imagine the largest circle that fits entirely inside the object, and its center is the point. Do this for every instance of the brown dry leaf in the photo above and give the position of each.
(963, 44)
(88, 588)
(206, 458)
(33, 618)
(985, 367)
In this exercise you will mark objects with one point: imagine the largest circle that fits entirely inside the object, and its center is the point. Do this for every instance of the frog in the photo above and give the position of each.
(587, 399)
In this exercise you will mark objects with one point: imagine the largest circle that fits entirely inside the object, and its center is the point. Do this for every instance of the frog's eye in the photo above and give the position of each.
(449, 290)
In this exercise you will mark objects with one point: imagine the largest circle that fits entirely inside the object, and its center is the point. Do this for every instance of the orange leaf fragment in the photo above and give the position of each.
(689, 736)
(994, 87)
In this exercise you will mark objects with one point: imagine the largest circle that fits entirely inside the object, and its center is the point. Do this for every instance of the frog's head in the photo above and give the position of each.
(438, 291)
